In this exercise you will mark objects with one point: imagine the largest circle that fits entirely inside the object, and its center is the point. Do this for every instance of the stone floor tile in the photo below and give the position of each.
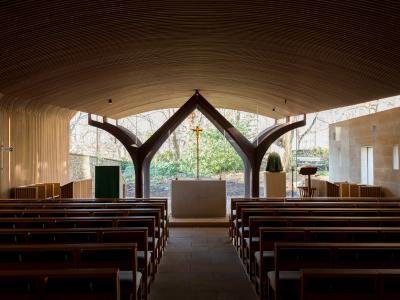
(201, 263)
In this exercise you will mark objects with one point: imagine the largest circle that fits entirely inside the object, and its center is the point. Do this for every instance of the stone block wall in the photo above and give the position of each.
(380, 131)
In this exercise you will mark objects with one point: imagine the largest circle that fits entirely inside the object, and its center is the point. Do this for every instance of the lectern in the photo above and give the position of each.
(308, 170)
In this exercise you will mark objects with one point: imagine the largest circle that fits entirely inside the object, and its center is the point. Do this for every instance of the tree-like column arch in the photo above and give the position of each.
(251, 153)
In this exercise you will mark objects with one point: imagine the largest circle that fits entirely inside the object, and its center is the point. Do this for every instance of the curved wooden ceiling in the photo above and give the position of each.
(248, 55)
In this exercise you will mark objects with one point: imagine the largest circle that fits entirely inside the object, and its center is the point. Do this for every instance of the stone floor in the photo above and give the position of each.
(201, 263)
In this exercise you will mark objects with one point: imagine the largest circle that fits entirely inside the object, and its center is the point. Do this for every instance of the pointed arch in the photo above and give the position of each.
(143, 153)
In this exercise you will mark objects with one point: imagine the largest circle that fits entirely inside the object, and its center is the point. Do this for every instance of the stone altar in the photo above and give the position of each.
(198, 198)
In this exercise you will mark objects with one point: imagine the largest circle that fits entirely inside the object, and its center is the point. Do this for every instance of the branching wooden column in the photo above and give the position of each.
(261, 145)
(143, 153)
(131, 143)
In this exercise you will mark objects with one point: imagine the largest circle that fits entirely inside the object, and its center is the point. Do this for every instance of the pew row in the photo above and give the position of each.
(115, 223)
(63, 284)
(54, 213)
(350, 284)
(78, 256)
(91, 204)
(263, 259)
(291, 258)
(242, 227)
(137, 235)
(238, 204)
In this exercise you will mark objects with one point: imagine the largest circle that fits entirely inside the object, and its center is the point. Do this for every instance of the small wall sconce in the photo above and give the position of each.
(2, 150)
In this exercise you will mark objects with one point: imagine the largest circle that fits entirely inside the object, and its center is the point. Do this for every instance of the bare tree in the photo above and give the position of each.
(308, 129)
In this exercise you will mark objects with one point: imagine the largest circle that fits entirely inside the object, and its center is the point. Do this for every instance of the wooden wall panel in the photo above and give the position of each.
(246, 55)
(40, 137)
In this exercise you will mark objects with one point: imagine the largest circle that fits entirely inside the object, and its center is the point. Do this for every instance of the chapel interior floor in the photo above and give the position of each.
(199, 222)
(201, 263)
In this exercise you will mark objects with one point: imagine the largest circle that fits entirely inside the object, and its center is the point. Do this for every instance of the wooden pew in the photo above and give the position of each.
(256, 222)
(311, 211)
(344, 199)
(90, 222)
(66, 212)
(160, 232)
(311, 205)
(243, 229)
(242, 203)
(246, 211)
(350, 284)
(291, 258)
(303, 201)
(80, 256)
(80, 212)
(45, 284)
(47, 208)
(235, 201)
(352, 202)
(86, 200)
(149, 265)
(104, 203)
(270, 235)
(138, 235)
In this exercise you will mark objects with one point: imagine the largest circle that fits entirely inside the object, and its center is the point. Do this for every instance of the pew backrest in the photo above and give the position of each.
(46, 284)
(64, 256)
(350, 284)
(297, 256)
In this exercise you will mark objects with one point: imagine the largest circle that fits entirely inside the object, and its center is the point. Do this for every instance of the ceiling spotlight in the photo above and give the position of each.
(273, 109)
(197, 91)
(110, 101)
(285, 101)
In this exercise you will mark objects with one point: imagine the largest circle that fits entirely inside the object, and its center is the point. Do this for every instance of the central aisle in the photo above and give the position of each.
(201, 263)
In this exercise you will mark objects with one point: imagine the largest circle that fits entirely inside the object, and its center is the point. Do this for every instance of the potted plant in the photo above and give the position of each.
(274, 177)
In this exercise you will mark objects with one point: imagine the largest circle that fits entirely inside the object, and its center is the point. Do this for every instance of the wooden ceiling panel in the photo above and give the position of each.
(245, 55)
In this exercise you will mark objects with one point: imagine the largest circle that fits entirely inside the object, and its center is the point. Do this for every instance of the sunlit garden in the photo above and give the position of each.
(308, 145)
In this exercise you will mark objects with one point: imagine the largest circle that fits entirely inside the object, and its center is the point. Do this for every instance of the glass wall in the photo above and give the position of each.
(307, 145)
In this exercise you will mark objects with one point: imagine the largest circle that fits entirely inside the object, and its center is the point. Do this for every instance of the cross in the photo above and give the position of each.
(197, 130)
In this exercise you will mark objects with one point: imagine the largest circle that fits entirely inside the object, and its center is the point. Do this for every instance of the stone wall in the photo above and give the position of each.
(380, 131)
(82, 166)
